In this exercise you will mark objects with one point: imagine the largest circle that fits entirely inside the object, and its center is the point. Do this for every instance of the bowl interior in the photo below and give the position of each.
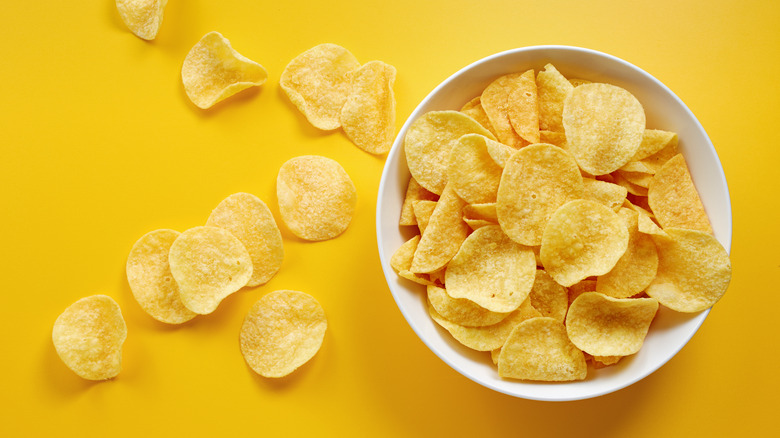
(670, 330)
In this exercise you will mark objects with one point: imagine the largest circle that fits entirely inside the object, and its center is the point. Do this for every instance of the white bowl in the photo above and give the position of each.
(670, 331)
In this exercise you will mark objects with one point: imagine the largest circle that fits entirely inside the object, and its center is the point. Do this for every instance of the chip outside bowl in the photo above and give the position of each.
(670, 331)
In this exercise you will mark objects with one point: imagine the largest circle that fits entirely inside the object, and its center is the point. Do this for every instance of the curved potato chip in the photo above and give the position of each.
(580, 288)
(142, 17)
(282, 331)
(317, 83)
(151, 281)
(423, 210)
(88, 337)
(461, 311)
(316, 197)
(548, 297)
(414, 192)
(443, 236)
(674, 199)
(473, 109)
(653, 141)
(213, 71)
(496, 100)
(524, 108)
(485, 212)
(368, 114)
(536, 181)
(249, 219)
(604, 125)
(611, 195)
(428, 143)
(641, 179)
(552, 90)
(491, 270)
(694, 270)
(401, 261)
(472, 171)
(539, 349)
(209, 264)
(582, 239)
(605, 326)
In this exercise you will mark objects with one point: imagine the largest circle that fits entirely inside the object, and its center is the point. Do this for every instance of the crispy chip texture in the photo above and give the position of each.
(88, 337)
(401, 261)
(142, 17)
(368, 114)
(316, 197)
(151, 281)
(213, 71)
(443, 236)
(461, 311)
(414, 192)
(474, 109)
(472, 170)
(524, 108)
(605, 326)
(609, 194)
(209, 264)
(317, 82)
(674, 199)
(694, 270)
(497, 101)
(282, 331)
(552, 90)
(548, 297)
(423, 210)
(248, 218)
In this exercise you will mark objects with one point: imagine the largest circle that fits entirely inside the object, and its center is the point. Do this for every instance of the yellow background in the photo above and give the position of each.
(101, 145)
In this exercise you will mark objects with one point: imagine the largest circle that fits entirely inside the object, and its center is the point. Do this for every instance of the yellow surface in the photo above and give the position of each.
(100, 145)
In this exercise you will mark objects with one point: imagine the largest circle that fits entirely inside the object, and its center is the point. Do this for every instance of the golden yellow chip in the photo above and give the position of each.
(524, 108)
(604, 125)
(249, 219)
(88, 337)
(401, 261)
(414, 192)
(653, 141)
(485, 212)
(557, 138)
(213, 71)
(316, 197)
(368, 114)
(282, 331)
(461, 311)
(579, 81)
(582, 239)
(632, 188)
(151, 281)
(472, 171)
(209, 264)
(674, 200)
(548, 297)
(539, 349)
(611, 195)
(473, 109)
(580, 288)
(443, 236)
(428, 143)
(694, 270)
(423, 210)
(605, 326)
(497, 101)
(536, 181)
(142, 17)
(552, 90)
(641, 179)
(317, 82)
(605, 361)
(491, 270)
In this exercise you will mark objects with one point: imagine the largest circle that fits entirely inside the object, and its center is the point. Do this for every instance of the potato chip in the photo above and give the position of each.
(316, 197)
(611, 195)
(423, 210)
(142, 17)
(317, 82)
(634, 271)
(88, 337)
(491, 270)
(524, 108)
(151, 281)
(414, 192)
(213, 71)
(368, 114)
(473, 109)
(552, 90)
(605, 326)
(282, 331)
(437, 277)
(580, 288)
(485, 212)
(539, 349)
(604, 125)
(401, 261)
(536, 181)
(548, 297)
(472, 171)
(579, 81)
(497, 100)
(462, 311)
(630, 187)
(428, 143)
(209, 264)
(694, 270)
(443, 236)
(605, 361)
(674, 200)
(653, 163)
(554, 138)
(641, 179)
(582, 239)
(249, 219)
(653, 141)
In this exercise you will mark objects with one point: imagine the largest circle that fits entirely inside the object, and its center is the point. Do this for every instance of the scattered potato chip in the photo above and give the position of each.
(151, 281)
(605, 326)
(423, 210)
(248, 218)
(472, 171)
(582, 239)
(674, 200)
(539, 349)
(282, 331)
(414, 192)
(317, 82)
(473, 109)
(694, 270)
(316, 197)
(548, 297)
(209, 264)
(491, 270)
(524, 108)
(552, 90)
(213, 71)
(88, 337)
(609, 194)
(368, 114)
(443, 236)
(462, 311)
(604, 125)
(401, 261)
(497, 100)
(142, 17)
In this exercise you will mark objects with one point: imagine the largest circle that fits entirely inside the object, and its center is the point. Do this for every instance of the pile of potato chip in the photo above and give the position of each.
(552, 224)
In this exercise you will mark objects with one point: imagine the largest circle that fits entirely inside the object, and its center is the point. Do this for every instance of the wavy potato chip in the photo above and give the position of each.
(473, 171)
(423, 210)
(213, 71)
(548, 297)
(208, 263)
(401, 261)
(414, 192)
(142, 17)
(248, 218)
(317, 82)
(473, 109)
(443, 236)
(485, 212)
(462, 311)
(674, 199)
(609, 194)
(552, 90)
(282, 331)
(497, 101)
(88, 337)
(524, 108)
(653, 141)
(368, 114)
(150, 279)
(316, 197)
